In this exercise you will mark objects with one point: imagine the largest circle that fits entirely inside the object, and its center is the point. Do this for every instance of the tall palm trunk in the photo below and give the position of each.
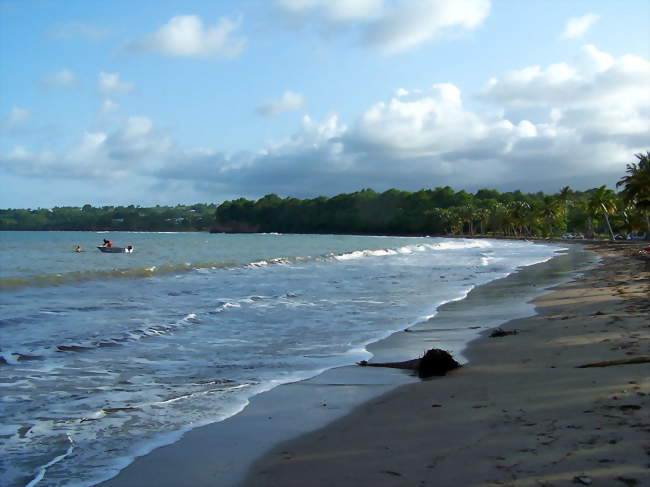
(609, 226)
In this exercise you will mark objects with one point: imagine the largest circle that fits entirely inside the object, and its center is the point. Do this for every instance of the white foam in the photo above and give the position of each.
(40, 473)
(10, 357)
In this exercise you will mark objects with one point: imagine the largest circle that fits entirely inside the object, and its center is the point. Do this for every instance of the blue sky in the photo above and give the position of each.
(166, 102)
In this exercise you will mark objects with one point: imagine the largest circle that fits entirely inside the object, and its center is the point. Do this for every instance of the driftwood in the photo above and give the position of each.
(609, 363)
(434, 362)
(502, 333)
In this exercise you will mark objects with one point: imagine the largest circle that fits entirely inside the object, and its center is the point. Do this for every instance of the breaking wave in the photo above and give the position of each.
(54, 279)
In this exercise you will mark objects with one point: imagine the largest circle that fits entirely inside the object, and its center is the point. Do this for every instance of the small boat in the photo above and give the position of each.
(115, 250)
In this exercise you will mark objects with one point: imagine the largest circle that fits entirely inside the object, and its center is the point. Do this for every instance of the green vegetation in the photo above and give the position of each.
(443, 211)
(179, 218)
(439, 211)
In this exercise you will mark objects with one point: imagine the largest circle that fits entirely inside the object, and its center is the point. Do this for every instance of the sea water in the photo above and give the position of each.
(106, 356)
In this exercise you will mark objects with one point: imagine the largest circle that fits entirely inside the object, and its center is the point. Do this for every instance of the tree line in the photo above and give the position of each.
(443, 211)
(180, 218)
(440, 211)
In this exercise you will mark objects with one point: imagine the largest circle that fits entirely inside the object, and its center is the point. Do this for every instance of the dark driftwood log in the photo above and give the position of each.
(609, 363)
(434, 362)
(502, 333)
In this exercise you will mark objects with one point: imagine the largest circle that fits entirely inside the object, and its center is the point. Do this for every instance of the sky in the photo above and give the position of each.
(169, 102)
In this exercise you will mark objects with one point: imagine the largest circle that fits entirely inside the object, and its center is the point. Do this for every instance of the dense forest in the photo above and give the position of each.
(443, 211)
(440, 211)
(179, 218)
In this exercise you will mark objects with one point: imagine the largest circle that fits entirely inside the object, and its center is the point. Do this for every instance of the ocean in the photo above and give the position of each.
(107, 356)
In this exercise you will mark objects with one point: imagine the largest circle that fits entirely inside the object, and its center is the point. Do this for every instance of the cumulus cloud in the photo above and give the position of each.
(111, 84)
(390, 27)
(577, 27)
(287, 102)
(60, 79)
(109, 106)
(402, 28)
(585, 119)
(16, 117)
(186, 36)
(135, 148)
(598, 94)
(588, 116)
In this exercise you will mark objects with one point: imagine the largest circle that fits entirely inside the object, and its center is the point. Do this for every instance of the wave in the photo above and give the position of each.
(41, 470)
(45, 280)
(460, 244)
(8, 357)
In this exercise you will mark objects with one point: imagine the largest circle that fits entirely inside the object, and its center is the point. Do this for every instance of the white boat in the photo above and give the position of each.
(115, 250)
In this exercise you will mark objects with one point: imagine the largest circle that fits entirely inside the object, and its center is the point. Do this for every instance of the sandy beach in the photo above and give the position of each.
(518, 413)
(521, 413)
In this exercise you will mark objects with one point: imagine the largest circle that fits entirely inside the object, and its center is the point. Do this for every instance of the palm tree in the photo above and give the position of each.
(636, 185)
(468, 213)
(455, 220)
(521, 217)
(550, 210)
(566, 196)
(603, 201)
(483, 214)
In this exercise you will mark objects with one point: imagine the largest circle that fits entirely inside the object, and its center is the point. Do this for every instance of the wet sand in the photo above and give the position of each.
(521, 413)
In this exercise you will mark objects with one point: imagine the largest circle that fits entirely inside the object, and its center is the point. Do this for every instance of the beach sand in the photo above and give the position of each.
(520, 413)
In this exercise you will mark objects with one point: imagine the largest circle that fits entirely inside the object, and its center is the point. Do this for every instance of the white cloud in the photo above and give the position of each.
(427, 124)
(135, 148)
(109, 106)
(111, 84)
(186, 36)
(60, 79)
(577, 27)
(333, 10)
(391, 27)
(590, 116)
(79, 30)
(572, 123)
(596, 93)
(408, 24)
(17, 117)
(288, 101)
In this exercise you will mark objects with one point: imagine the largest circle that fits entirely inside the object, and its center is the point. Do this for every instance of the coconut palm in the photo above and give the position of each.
(521, 218)
(550, 211)
(566, 196)
(483, 215)
(469, 214)
(603, 201)
(636, 185)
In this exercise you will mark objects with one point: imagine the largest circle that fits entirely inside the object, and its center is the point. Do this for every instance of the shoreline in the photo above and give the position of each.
(520, 413)
(221, 453)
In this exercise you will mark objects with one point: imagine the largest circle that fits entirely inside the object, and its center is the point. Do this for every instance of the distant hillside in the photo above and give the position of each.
(197, 217)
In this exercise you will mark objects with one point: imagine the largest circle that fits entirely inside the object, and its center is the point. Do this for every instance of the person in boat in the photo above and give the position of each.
(108, 243)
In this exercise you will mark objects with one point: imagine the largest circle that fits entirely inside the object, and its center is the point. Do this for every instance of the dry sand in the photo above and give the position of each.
(519, 414)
